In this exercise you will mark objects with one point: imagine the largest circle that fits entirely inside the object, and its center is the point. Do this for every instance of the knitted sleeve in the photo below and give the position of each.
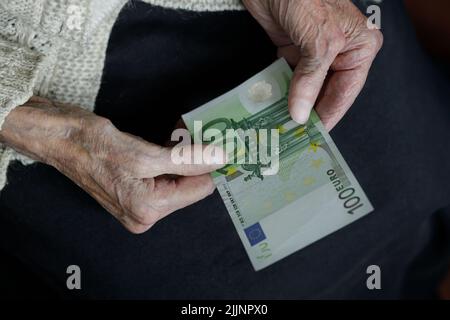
(22, 55)
(19, 62)
(18, 72)
(44, 45)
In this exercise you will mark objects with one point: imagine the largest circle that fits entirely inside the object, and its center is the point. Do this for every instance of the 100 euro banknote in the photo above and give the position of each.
(313, 192)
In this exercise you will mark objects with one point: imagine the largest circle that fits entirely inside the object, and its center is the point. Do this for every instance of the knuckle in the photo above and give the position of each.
(379, 39)
(336, 43)
(144, 215)
(150, 213)
(102, 123)
(148, 219)
(321, 52)
(161, 205)
(308, 66)
(133, 225)
(211, 190)
(138, 228)
(376, 40)
(316, 50)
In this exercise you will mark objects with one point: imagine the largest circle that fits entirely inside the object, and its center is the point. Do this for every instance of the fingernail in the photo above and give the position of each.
(301, 110)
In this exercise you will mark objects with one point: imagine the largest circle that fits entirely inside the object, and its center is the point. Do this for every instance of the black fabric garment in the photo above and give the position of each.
(161, 63)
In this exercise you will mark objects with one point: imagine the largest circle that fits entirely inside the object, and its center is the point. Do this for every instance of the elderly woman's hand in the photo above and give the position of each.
(331, 46)
(125, 174)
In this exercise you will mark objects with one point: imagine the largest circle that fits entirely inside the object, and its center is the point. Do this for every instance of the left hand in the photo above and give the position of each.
(331, 46)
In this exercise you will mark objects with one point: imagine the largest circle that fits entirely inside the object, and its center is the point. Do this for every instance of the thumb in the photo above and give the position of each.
(192, 160)
(308, 80)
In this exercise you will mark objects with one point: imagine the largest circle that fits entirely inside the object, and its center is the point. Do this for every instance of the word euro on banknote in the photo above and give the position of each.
(313, 193)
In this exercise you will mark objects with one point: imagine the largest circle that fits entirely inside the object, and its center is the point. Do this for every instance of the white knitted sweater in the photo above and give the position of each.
(56, 49)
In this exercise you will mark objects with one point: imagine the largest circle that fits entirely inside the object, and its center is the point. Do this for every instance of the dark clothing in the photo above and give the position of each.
(395, 139)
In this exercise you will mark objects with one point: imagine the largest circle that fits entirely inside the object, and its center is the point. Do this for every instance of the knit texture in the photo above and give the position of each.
(51, 56)
(18, 73)
(56, 49)
(199, 5)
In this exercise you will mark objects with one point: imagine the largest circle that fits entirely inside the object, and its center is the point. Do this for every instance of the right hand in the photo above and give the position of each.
(125, 174)
(331, 47)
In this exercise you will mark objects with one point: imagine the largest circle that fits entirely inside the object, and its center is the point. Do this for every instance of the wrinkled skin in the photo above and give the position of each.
(125, 174)
(331, 47)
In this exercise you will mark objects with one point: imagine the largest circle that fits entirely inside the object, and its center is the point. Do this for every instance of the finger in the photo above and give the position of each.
(133, 225)
(309, 76)
(350, 71)
(191, 160)
(154, 199)
(340, 92)
(127, 219)
(172, 195)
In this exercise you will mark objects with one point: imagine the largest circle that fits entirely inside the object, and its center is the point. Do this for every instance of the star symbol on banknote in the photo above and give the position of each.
(289, 196)
(317, 163)
(313, 147)
(281, 129)
(299, 132)
(231, 170)
(268, 205)
(308, 181)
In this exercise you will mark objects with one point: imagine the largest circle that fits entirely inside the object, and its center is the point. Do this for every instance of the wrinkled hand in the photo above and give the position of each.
(131, 178)
(331, 46)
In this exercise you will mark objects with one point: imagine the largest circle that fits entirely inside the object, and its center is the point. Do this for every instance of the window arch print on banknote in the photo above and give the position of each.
(290, 143)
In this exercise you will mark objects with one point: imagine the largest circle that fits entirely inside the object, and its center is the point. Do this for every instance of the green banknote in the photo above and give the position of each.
(313, 192)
